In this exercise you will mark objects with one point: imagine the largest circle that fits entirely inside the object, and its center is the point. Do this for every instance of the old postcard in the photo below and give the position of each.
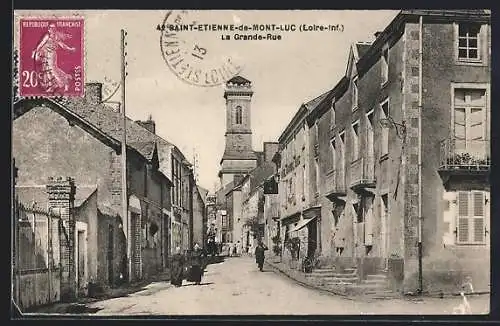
(245, 162)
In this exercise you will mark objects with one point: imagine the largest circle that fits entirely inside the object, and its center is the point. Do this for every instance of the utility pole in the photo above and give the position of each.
(126, 225)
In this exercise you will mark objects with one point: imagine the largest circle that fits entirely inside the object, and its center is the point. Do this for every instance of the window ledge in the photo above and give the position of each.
(461, 245)
(465, 62)
(384, 157)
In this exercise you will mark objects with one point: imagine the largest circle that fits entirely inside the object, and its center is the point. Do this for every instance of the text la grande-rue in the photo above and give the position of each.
(251, 37)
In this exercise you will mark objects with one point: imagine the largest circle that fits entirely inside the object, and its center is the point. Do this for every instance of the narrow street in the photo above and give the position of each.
(236, 287)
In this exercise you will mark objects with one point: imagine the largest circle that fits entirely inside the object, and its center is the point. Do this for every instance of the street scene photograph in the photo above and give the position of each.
(246, 162)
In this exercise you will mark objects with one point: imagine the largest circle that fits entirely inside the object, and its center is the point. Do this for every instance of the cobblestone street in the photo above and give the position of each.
(236, 287)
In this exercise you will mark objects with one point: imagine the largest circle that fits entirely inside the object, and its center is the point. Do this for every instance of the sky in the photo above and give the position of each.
(284, 73)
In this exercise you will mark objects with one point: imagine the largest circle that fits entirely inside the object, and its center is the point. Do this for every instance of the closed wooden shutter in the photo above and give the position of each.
(478, 226)
(471, 217)
(463, 217)
(369, 222)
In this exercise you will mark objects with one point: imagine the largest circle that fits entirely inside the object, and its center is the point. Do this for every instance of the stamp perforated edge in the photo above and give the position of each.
(16, 31)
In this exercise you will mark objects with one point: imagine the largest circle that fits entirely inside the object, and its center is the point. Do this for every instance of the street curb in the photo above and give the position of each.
(444, 294)
(310, 286)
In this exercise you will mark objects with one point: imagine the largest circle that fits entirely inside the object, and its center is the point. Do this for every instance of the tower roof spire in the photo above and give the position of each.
(239, 80)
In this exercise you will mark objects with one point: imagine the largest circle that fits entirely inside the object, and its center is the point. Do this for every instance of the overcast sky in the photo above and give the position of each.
(284, 73)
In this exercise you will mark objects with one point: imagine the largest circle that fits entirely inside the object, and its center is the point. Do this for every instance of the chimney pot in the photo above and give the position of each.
(148, 124)
(93, 93)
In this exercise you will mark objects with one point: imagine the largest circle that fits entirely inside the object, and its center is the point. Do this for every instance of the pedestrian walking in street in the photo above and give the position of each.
(238, 248)
(196, 268)
(260, 254)
(234, 250)
(177, 268)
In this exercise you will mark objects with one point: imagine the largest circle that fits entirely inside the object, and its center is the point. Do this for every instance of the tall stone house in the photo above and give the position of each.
(80, 138)
(402, 153)
(298, 209)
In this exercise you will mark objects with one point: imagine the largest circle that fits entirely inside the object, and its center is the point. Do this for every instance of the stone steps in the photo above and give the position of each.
(338, 275)
(375, 281)
(376, 277)
(338, 279)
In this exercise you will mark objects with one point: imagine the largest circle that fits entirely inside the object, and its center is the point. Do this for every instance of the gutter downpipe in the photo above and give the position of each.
(420, 252)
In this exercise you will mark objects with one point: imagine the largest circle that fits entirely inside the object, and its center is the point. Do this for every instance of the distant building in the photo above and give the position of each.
(239, 157)
(299, 212)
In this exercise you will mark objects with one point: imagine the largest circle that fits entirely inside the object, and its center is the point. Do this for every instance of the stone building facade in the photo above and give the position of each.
(92, 129)
(403, 152)
(298, 209)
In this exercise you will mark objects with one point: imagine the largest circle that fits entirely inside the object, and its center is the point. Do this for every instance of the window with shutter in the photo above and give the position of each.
(478, 217)
(463, 217)
(471, 217)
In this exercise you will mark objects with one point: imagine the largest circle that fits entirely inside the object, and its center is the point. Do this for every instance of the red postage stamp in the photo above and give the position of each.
(51, 59)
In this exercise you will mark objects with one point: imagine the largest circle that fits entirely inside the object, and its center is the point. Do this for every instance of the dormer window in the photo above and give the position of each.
(385, 66)
(333, 113)
(355, 93)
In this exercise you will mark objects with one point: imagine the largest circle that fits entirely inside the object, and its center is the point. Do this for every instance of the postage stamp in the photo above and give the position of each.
(186, 56)
(51, 57)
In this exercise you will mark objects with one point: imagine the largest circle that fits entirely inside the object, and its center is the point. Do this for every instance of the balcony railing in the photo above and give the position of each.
(335, 184)
(458, 154)
(363, 172)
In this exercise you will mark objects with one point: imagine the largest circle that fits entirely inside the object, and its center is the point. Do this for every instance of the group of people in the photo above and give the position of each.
(234, 250)
(190, 267)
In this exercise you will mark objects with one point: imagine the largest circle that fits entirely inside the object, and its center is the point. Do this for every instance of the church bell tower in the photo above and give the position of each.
(239, 157)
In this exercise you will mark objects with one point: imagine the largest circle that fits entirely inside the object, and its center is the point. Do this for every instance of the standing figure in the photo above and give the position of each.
(238, 248)
(177, 268)
(234, 250)
(260, 254)
(197, 266)
(53, 78)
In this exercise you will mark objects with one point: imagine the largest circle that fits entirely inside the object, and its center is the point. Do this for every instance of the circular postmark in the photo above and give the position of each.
(109, 88)
(193, 59)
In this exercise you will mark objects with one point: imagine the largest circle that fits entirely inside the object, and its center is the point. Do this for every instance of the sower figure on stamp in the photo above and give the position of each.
(53, 78)
(177, 268)
(260, 254)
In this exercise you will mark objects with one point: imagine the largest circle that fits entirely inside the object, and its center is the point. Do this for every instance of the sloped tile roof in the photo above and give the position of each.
(312, 104)
(145, 148)
(260, 174)
(362, 48)
(28, 195)
(109, 121)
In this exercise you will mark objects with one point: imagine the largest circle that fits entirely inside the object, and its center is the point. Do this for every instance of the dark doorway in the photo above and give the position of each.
(110, 253)
(312, 231)
(81, 259)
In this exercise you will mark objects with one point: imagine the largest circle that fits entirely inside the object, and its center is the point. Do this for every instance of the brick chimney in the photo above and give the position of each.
(61, 193)
(270, 148)
(93, 93)
(148, 124)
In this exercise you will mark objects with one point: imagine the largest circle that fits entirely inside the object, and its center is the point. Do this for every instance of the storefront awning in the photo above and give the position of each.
(302, 223)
